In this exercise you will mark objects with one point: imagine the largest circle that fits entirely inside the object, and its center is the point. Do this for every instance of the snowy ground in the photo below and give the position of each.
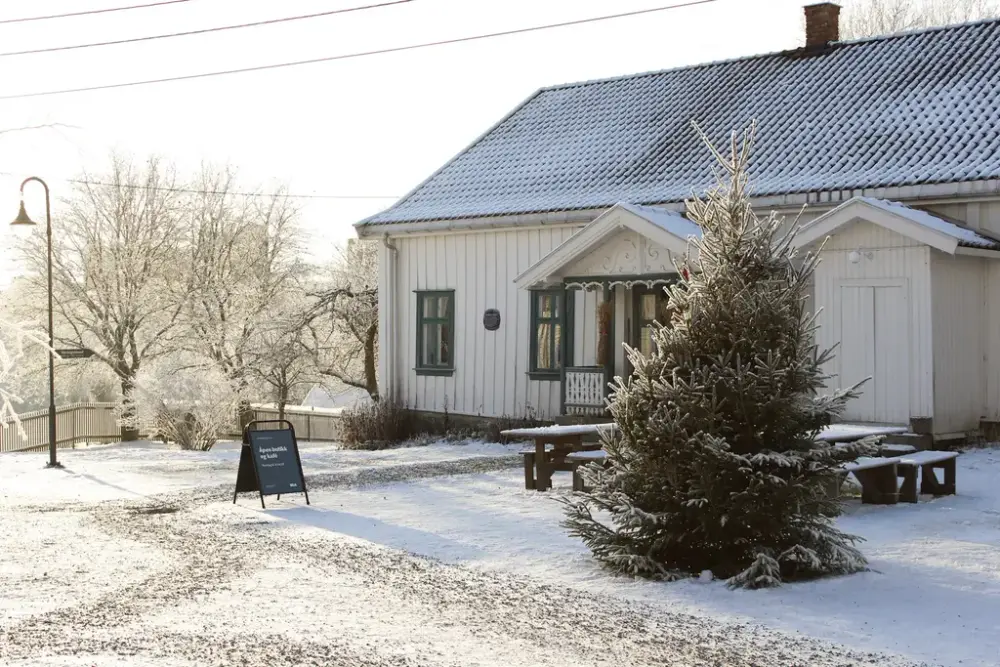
(436, 555)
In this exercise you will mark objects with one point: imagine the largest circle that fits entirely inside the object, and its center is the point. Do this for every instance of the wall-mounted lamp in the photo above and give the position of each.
(855, 256)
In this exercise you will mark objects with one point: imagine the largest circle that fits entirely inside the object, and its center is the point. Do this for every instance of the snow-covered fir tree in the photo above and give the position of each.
(715, 466)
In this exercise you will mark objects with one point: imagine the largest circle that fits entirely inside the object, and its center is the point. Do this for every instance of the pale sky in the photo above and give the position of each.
(370, 126)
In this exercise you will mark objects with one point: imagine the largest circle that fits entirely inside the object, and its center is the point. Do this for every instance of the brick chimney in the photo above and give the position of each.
(822, 24)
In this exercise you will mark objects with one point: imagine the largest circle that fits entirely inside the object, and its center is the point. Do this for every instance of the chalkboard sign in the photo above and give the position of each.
(491, 319)
(269, 462)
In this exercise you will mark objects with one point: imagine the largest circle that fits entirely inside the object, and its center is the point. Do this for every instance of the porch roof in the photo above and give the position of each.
(913, 223)
(665, 229)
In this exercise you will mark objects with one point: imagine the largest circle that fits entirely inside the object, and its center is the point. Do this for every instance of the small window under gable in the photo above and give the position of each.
(436, 333)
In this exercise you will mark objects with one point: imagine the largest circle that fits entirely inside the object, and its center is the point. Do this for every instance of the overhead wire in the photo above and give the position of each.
(201, 31)
(361, 54)
(88, 12)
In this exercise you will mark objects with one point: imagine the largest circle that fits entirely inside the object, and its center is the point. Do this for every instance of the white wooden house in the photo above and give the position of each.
(562, 220)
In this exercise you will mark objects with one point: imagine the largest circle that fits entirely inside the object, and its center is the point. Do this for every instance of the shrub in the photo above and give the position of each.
(377, 425)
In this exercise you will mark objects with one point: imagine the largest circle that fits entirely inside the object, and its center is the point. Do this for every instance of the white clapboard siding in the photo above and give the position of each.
(491, 367)
(960, 355)
(888, 260)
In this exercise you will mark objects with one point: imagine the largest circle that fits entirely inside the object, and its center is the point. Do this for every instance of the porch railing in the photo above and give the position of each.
(585, 391)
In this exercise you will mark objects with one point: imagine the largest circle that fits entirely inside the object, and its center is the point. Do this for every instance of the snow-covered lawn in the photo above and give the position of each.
(88, 576)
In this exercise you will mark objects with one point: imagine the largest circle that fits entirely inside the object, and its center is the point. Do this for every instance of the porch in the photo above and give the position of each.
(601, 289)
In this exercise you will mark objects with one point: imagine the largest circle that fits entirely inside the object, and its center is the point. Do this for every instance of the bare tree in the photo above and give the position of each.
(342, 323)
(282, 362)
(115, 269)
(242, 254)
(867, 18)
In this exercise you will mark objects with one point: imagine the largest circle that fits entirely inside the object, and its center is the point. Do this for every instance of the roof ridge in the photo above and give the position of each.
(759, 56)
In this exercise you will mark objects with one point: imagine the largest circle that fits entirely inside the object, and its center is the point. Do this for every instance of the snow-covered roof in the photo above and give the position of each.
(904, 109)
(922, 226)
(667, 220)
(965, 236)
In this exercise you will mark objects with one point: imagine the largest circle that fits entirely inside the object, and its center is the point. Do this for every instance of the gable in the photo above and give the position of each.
(626, 253)
(624, 240)
(861, 234)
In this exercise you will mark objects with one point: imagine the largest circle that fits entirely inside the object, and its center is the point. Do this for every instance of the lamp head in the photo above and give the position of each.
(23, 225)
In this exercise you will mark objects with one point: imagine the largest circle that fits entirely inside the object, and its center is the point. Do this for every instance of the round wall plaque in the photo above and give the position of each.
(491, 319)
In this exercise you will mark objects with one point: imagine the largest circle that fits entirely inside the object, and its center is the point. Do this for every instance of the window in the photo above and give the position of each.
(435, 333)
(546, 333)
(652, 307)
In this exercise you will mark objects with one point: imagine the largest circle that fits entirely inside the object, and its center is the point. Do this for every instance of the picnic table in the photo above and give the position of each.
(552, 444)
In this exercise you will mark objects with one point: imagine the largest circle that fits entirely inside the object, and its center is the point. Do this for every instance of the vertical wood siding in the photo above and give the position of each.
(491, 367)
(958, 305)
(991, 335)
(893, 258)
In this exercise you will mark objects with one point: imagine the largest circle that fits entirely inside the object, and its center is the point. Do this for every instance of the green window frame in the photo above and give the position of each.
(548, 334)
(435, 332)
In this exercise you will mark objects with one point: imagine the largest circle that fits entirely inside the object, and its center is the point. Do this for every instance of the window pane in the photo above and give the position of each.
(646, 341)
(431, 334)
(556, 303)
(442, 306)
(557, 342)
(544, 336)
(445, 355)
(648, 312)
(544, 305)
(429, 306)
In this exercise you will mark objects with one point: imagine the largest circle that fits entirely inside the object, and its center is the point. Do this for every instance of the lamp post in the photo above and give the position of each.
(22, 221)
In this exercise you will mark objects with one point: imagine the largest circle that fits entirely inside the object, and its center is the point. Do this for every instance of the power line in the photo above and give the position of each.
(77, 181)
(201, 31)
(92, 11)
(396, 49)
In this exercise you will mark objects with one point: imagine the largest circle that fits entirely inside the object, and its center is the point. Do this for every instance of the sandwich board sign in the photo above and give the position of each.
(269, 462)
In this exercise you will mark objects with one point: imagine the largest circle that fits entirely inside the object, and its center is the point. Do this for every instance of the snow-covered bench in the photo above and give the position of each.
(552, 445)
(878, 477)
(927, 461)
(577, 459)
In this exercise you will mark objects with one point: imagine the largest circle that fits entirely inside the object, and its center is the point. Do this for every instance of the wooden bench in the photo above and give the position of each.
(552, 445)
(577, 459)
(927, 462)
(878, 477)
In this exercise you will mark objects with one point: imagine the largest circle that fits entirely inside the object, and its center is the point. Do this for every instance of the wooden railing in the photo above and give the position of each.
(585, 389)
(97, 422)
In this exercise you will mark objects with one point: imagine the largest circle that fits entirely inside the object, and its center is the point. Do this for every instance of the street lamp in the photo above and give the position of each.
(22, 221)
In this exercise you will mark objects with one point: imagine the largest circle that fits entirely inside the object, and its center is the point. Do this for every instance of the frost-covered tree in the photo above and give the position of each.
(342, 322)
(867, 18)
(281, 364)
(117, 274)
(716, 467)
(241, 256)
(14, 338)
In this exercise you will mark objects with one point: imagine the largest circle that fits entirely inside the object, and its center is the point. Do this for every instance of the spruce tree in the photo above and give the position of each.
(715, 466)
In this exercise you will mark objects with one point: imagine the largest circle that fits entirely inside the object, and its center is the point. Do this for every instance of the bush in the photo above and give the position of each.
(377, 425)
(187, 430)
(506, 423)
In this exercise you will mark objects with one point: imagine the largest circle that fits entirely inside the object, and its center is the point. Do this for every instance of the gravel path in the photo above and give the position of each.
(190, 579)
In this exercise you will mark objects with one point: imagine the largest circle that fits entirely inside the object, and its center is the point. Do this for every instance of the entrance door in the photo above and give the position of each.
(874, 342)
(649, 305)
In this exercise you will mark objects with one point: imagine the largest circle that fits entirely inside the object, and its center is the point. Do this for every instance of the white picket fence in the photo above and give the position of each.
(96, 422)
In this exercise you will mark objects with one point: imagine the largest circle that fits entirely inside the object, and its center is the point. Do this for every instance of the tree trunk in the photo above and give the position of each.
(129, 416)
(282, 400)
(245, 413)
(371, 377)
